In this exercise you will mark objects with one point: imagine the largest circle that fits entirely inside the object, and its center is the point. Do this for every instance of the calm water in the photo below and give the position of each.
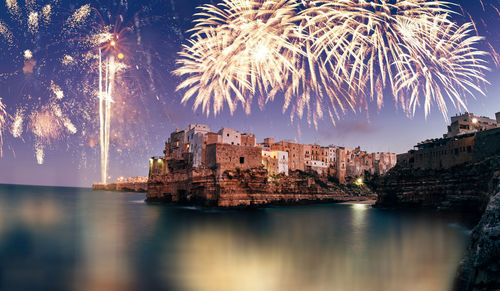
(76, 239)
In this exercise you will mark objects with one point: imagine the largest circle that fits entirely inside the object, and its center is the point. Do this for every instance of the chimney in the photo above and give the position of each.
(498, 118)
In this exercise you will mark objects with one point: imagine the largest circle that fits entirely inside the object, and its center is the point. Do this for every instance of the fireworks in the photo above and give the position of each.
(3, 123)
(239, 49)
(48, 124)
(341, 50)
(413, 42)
(17, 124)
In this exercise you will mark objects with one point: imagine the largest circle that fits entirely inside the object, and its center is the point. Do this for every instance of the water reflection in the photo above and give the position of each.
(76, 239)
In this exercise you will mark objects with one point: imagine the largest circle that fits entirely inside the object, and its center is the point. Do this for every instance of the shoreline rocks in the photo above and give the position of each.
(480, 269)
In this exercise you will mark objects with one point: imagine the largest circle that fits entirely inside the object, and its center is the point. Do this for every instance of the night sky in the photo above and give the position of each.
(148, 108)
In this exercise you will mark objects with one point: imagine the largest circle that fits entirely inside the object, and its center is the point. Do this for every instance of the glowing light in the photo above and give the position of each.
(79, 16)
(3, 120)
(28, 54)
(360, 207)
(56, 90)
(112, 43)
(359, 181)
(33, 22)
(474, 120)
(121, 56)
(17, 125)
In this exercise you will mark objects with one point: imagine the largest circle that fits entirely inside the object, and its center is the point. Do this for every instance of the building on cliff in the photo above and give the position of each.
(469, 138)
(228, 149)
(469, 123)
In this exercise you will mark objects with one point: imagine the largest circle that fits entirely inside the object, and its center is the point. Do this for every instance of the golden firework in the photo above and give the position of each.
(329, 56)
(238, 50)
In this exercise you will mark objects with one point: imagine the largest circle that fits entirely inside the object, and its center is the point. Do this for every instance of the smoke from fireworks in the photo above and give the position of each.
(345, 50)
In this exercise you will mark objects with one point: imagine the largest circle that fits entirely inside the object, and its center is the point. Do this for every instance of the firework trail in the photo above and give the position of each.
(3, 124)
(342, 50)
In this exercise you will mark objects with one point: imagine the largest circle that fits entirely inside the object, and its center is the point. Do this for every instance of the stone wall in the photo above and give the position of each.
(122, 187)
(227, 157)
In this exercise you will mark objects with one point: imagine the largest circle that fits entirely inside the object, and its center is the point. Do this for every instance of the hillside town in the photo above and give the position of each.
(229, 149)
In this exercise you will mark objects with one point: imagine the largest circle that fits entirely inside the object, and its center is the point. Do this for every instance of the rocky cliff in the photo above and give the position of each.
(465, 187)
(480, 269)
(252, 187)
(469, 187)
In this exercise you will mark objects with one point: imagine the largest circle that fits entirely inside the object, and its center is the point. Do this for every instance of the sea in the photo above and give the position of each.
(55, 238)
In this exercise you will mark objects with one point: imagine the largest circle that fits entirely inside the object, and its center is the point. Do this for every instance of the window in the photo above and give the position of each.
(232, 142)
(242, 160)
(228, 134)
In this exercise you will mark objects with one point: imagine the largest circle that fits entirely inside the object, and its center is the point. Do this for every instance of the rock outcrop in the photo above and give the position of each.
(465, 188)
(473, 187)
(249, 188)
(480, 269)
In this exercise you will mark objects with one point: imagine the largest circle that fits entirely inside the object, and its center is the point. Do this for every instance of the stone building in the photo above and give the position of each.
(230, 136)
(198, 148)
(275, 162)
(469, 123)
(248, 140)
(317, 166)
(224, 157)
(195, 137)
(295, 156)
(468, 139)
(176, 146)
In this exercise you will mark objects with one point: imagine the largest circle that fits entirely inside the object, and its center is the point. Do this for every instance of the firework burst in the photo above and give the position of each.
(414, 42)
(239, 49)
(330, 56)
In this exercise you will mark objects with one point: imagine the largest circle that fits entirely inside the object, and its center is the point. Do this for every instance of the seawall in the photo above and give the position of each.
(122, 186)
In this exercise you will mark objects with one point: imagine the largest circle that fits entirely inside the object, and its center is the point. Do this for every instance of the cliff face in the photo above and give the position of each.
(248, 188)
(465, 187)
(480, 270)
(470, 187)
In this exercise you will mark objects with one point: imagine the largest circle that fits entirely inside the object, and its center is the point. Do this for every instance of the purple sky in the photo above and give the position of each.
(72, 161)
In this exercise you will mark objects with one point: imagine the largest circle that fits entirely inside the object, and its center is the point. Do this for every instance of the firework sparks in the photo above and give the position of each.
(3, 123)
(451, 71)
(239, 49)
(17, 124)
(339, 50)
(56, 90)
(79, 16)
(48, 124)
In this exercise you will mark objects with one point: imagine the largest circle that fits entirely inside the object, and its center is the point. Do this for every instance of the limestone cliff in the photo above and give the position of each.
(480, 269)
(465, 187)
(252, 187)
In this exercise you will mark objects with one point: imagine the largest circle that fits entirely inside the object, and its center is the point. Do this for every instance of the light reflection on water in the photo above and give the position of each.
(76, 239)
